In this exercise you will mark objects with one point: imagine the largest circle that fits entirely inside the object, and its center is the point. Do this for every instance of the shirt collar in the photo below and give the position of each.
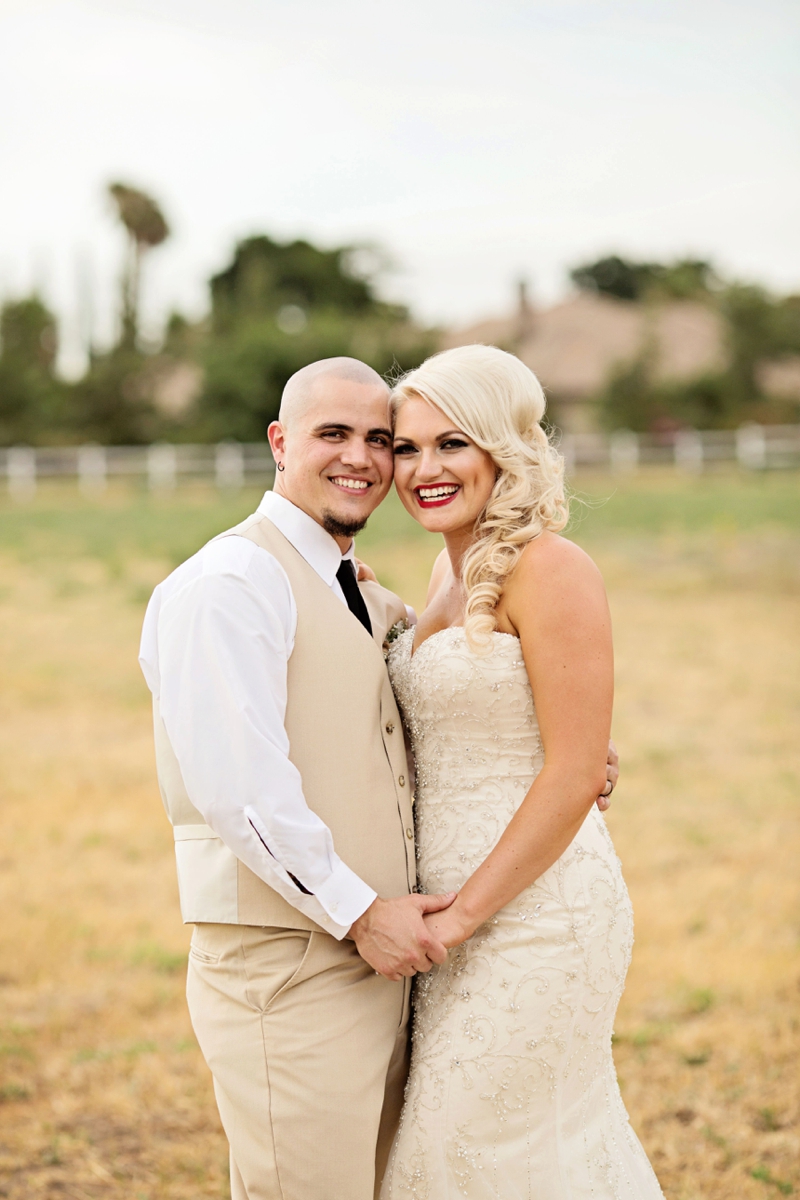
(317, 547)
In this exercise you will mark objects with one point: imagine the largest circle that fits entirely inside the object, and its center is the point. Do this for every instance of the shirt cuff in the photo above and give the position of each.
(345, 896)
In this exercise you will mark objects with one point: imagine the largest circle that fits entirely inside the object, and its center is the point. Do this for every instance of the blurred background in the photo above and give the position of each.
(200, 198)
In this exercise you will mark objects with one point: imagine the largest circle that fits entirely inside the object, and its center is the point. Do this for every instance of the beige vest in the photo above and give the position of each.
(345, 739)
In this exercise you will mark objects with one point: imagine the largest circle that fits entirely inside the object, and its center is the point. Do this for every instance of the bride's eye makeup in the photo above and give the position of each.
(451, 443)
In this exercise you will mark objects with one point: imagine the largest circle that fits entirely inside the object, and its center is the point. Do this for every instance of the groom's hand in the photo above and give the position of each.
(392, 937)
(612, 777)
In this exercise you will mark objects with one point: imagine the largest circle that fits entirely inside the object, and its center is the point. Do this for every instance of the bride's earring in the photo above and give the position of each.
(280, 466)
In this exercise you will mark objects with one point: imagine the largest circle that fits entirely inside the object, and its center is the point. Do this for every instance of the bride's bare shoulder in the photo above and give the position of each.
(549, 562)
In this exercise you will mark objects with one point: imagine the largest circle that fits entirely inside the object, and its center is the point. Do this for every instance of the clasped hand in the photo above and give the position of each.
(394, 938)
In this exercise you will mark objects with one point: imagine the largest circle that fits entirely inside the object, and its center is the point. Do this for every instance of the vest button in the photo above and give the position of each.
(401, 779)
(390, 727)
(410, 833)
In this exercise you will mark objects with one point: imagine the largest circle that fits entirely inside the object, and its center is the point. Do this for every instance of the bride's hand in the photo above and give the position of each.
(449, 926)
(365, 573)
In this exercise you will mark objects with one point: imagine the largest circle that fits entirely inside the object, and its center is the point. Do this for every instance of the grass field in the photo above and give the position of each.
(103, 1091)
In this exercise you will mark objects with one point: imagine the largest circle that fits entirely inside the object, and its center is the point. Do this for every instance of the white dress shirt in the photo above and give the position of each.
(217, 637)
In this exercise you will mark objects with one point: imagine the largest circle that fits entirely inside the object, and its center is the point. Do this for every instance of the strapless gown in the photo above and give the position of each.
(512, 1093)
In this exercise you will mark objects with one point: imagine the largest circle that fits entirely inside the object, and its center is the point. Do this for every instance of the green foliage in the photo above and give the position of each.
(30, 395)
(110, 403)
(167, 962)
(247, 370)
(614, 276)
(631, 400)
(764, 1175)
(267, 276)
(278, 307)
(28, 334)
(699, 1000)
(759, 327)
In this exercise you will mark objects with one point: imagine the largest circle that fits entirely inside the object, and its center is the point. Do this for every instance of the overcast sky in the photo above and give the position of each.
(476, 141)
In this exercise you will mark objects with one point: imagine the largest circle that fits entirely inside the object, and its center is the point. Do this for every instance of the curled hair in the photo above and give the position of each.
(499, 403)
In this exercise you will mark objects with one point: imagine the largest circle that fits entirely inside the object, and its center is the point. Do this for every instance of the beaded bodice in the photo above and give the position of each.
(476, 743)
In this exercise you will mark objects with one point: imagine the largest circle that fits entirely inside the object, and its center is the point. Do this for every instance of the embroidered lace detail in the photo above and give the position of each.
(512, 1091)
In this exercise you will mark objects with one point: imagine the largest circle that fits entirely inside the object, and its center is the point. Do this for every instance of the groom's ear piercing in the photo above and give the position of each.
(280, 466)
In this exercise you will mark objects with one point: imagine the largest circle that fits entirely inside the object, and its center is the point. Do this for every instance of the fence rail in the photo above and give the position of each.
(755, 447)
(161, 466)
(232, 465)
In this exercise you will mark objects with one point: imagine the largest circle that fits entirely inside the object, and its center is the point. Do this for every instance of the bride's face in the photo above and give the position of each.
(441, 476)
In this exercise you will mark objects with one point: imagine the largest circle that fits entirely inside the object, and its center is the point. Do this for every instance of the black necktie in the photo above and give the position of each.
(355, 601)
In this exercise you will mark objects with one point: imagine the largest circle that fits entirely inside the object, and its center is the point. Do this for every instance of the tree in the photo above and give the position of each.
(684, 279)
(146, 227)
(266, 277)
(30, 395)
(632, 399)
(278, 306)
(613, 276)
(111, 404)
(759, 327)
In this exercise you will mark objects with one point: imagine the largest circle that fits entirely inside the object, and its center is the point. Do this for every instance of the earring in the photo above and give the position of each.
(280, 466)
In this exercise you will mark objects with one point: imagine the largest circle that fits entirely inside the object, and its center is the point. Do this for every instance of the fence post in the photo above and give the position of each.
(751, 446)
(162, 465)
(623, 450)
(689, 450)
(92, 469)
(229, 465)
(21, 472)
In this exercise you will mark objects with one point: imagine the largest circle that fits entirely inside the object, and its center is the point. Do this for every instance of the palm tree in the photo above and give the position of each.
(146, 227)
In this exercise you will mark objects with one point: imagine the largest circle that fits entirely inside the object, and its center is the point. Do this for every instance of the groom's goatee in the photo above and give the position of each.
(337, 528)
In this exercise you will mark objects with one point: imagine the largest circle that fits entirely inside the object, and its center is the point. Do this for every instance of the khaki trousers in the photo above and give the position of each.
(308, 1048)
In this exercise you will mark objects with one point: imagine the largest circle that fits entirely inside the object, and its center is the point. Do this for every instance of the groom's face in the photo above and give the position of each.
(337, 454)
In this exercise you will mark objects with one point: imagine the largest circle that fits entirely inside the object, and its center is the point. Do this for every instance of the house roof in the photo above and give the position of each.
(574, 346)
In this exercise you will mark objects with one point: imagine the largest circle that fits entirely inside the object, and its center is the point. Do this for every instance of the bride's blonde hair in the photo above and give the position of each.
(499, 403)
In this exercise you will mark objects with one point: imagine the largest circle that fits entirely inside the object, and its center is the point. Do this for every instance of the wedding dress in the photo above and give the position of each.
(512, 1093)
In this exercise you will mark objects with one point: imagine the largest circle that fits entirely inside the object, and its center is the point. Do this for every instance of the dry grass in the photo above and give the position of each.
(103, 1091)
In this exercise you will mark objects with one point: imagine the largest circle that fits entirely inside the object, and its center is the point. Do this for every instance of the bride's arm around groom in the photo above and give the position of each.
(556, 601)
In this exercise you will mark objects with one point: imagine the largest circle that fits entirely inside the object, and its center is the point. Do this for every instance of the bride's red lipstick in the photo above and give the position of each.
(436, 501)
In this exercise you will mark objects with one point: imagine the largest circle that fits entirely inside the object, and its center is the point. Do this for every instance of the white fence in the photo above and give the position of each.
(754, 447)
(163, 466)
(160, 467)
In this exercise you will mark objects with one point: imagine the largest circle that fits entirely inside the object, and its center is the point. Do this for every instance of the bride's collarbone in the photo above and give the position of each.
(447, 610)
(437, 618)
(427, 628)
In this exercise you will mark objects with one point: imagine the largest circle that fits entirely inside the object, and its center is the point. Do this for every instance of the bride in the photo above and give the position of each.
(505, 686)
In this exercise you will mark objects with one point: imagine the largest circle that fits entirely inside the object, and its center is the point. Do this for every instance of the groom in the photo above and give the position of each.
(282, 767)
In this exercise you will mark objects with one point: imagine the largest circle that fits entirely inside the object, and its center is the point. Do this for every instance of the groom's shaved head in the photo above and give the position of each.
(332, 444)
(307, 383)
